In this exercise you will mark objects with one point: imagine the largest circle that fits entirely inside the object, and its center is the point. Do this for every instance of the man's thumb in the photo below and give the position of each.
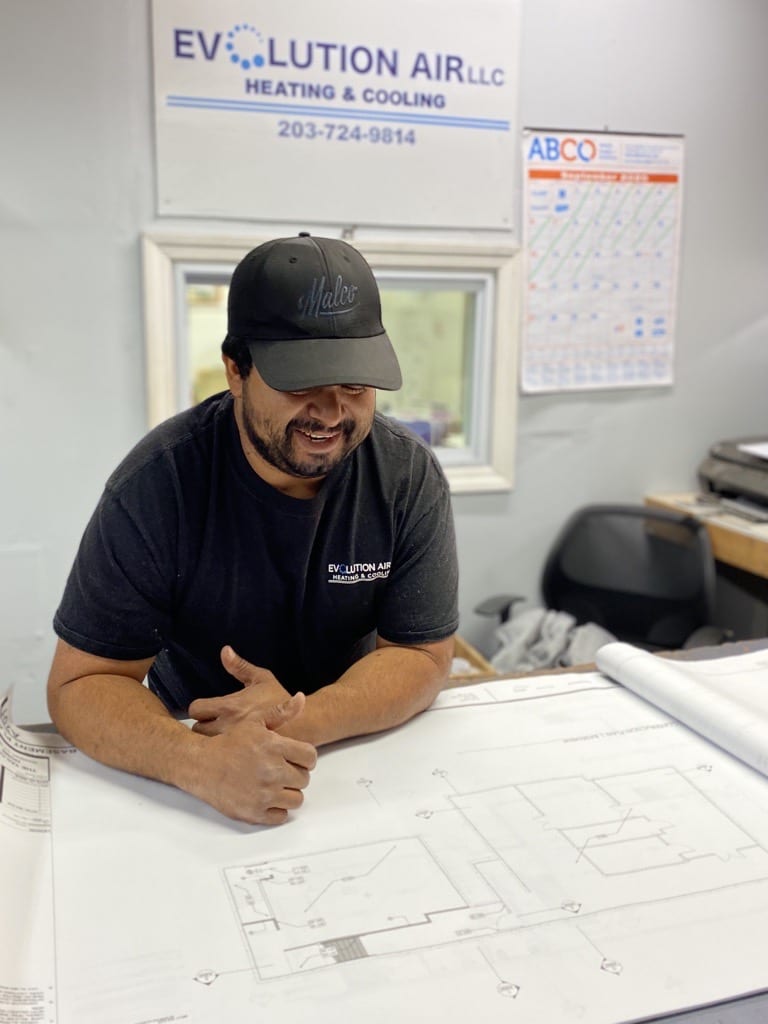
(282, 713)
(242, 670)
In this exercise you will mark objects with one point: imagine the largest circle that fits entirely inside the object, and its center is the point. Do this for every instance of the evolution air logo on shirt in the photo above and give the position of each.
(357, 572)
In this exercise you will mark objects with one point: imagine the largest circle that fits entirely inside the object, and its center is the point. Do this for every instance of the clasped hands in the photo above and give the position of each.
(252, 772)
(261, 692)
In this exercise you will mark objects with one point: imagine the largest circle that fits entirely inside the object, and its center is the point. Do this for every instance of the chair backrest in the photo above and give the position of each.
(646, 575)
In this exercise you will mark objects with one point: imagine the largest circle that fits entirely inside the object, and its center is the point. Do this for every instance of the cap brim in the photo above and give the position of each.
(295, 364)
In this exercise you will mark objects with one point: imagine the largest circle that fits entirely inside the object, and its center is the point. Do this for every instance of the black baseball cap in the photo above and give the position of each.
(309, 311)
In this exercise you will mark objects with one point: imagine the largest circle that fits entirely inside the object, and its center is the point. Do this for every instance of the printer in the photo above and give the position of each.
(736, 474)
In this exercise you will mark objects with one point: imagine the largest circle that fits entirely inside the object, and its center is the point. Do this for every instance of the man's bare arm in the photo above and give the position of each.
(381, 690)
(252, 773)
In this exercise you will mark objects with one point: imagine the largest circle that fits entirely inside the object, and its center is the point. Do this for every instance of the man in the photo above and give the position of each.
(278, 562)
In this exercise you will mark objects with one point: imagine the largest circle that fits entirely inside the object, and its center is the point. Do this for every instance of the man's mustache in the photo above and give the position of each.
(346, 426)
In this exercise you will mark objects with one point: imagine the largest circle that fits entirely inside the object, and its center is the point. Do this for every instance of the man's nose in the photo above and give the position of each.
(326, 405)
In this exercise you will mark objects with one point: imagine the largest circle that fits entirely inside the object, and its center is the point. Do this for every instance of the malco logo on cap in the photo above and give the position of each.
(322, 301)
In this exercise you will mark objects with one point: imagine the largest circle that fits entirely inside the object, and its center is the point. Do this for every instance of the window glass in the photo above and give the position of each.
(205, 320)
(432, 331)
(432, 325)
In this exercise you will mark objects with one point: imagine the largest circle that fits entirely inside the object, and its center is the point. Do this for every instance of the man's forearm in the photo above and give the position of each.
(382, 690)
(253, 772)
(122, 724)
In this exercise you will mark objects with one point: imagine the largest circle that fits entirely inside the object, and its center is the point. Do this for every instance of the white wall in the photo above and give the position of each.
(77, 188)
(695, 67)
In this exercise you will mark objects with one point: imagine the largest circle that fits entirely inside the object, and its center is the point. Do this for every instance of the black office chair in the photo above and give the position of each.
(644, 574)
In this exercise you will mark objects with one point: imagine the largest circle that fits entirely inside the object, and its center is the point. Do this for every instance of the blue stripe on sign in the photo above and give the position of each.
(248, 107)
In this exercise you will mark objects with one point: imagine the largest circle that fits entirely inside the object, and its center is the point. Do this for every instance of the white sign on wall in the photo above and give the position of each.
(395, 114)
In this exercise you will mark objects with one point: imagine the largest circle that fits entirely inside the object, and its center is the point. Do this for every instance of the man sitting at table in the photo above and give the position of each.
(277, 562)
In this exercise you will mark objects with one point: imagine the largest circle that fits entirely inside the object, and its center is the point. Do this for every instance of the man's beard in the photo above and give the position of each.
(275, 445)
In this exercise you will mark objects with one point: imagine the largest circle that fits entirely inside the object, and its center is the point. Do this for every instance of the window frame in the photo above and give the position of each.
(165, 253)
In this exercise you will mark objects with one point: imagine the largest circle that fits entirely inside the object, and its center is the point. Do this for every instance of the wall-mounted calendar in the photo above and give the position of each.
(601, 231)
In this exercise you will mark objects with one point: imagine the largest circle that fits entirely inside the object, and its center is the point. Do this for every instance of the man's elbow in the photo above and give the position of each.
(441, 656)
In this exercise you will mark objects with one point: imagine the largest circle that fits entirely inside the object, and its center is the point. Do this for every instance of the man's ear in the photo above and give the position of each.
(234, 380)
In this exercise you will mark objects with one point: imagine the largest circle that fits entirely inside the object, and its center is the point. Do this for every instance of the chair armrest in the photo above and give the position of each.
(498, 604)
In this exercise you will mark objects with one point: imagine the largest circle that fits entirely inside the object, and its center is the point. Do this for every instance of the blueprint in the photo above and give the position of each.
(544, 849)
(726, 701)
(27, 964)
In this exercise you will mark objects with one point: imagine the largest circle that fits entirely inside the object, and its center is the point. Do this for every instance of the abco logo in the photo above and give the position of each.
(550, 147)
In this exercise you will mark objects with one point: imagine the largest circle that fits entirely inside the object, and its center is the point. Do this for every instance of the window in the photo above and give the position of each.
(435, 322)
(450, 317)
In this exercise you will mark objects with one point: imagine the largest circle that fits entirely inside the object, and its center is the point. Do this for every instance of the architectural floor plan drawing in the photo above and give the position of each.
(551, 849)
(475, 870)
(27, 961)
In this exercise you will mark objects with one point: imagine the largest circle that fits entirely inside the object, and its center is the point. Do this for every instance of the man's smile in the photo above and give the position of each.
(317, 435)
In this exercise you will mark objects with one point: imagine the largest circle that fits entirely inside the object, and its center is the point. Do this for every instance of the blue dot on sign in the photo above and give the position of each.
(230, 46)
(258, 60)
(245, 64)
(235, 59)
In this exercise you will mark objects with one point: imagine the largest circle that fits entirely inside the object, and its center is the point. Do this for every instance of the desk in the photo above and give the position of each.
(740, 547)
(736, 541)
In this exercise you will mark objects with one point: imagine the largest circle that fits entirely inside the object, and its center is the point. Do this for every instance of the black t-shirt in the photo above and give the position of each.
(189, 549)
